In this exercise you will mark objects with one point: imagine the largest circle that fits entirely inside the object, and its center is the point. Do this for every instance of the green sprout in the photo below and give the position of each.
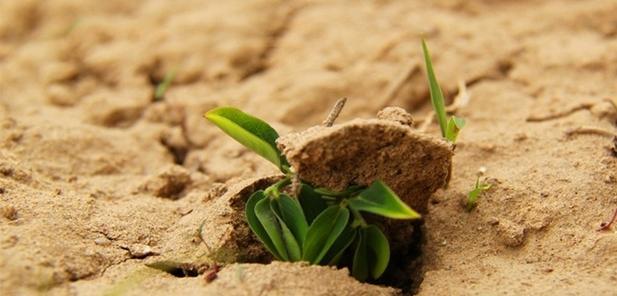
(449, 127)
(162, 87)
(474, 194)
(315, 225)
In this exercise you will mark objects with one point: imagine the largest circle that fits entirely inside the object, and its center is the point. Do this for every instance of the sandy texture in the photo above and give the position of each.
(97, 179)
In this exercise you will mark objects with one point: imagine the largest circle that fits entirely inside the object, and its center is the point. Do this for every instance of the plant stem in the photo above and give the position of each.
(359, 220)
(275, 189)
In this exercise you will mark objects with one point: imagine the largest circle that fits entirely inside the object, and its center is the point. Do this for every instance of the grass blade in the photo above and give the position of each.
(435, 91)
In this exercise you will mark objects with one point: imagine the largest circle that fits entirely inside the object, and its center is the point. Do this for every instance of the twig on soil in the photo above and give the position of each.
(589, 130)
(607, 225)
(564, 113)
(334, 113)
(295, 185)
(398, 83)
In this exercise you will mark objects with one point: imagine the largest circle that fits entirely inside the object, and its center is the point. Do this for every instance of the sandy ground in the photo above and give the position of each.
(97, 179)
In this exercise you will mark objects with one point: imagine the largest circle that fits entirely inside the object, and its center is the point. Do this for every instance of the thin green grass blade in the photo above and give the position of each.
(435, 91)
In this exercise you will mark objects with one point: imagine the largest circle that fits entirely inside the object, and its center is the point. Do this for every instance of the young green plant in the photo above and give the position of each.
(450, 127)
(474, 194)
(316, 225)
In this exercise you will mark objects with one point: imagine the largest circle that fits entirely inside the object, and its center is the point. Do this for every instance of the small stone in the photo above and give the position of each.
(519, 137)
(140, 251)
(102, 241)
(169, 183)
(396, 114)
(511, 234)
(9, 212)
(493, 221)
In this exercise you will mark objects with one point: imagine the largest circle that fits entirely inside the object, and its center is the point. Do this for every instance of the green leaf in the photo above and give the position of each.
(250, 131)
(311, 202)
(455, 124)
(378, 244)
(340, 245)
(436, 95)
(381, 200)
(291, 244)
(323, 232)
(268, 220)
(359, 267)
(162, 87)
(292, 215)
(472, 197)
(256, 226)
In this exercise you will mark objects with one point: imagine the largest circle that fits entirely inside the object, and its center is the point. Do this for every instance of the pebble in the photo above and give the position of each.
(102, 241)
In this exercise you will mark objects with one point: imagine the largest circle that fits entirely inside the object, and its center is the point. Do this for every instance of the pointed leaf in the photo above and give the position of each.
(455, 124)
(359, 267)
(250, 131)
(340, 245)
(378, 245)
(323, 233)
(381, 200)
(436, 95)
(293, 216)
(311, 202)
(256, 226)
(270, 223)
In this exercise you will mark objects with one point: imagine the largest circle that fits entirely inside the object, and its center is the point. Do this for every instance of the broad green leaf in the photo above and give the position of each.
(268, 220)
(455, 124)
(436, 95)
(340, 245)
(291, 244)
(311, 202)
(377, 243)
(381, 200)
(291, 213)
(323, 232)
(359, 267)
(256, 226)
(250, 131)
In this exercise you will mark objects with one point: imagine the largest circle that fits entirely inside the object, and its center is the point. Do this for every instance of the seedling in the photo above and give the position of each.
(316, 225)
(450, 127)
(319, 225)
(474, 194)
(162, 87)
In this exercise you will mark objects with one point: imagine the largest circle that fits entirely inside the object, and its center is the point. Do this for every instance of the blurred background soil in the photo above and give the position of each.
(95, 173)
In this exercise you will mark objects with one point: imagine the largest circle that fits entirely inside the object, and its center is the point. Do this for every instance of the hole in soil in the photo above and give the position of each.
(176, 269)
(405, 271)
